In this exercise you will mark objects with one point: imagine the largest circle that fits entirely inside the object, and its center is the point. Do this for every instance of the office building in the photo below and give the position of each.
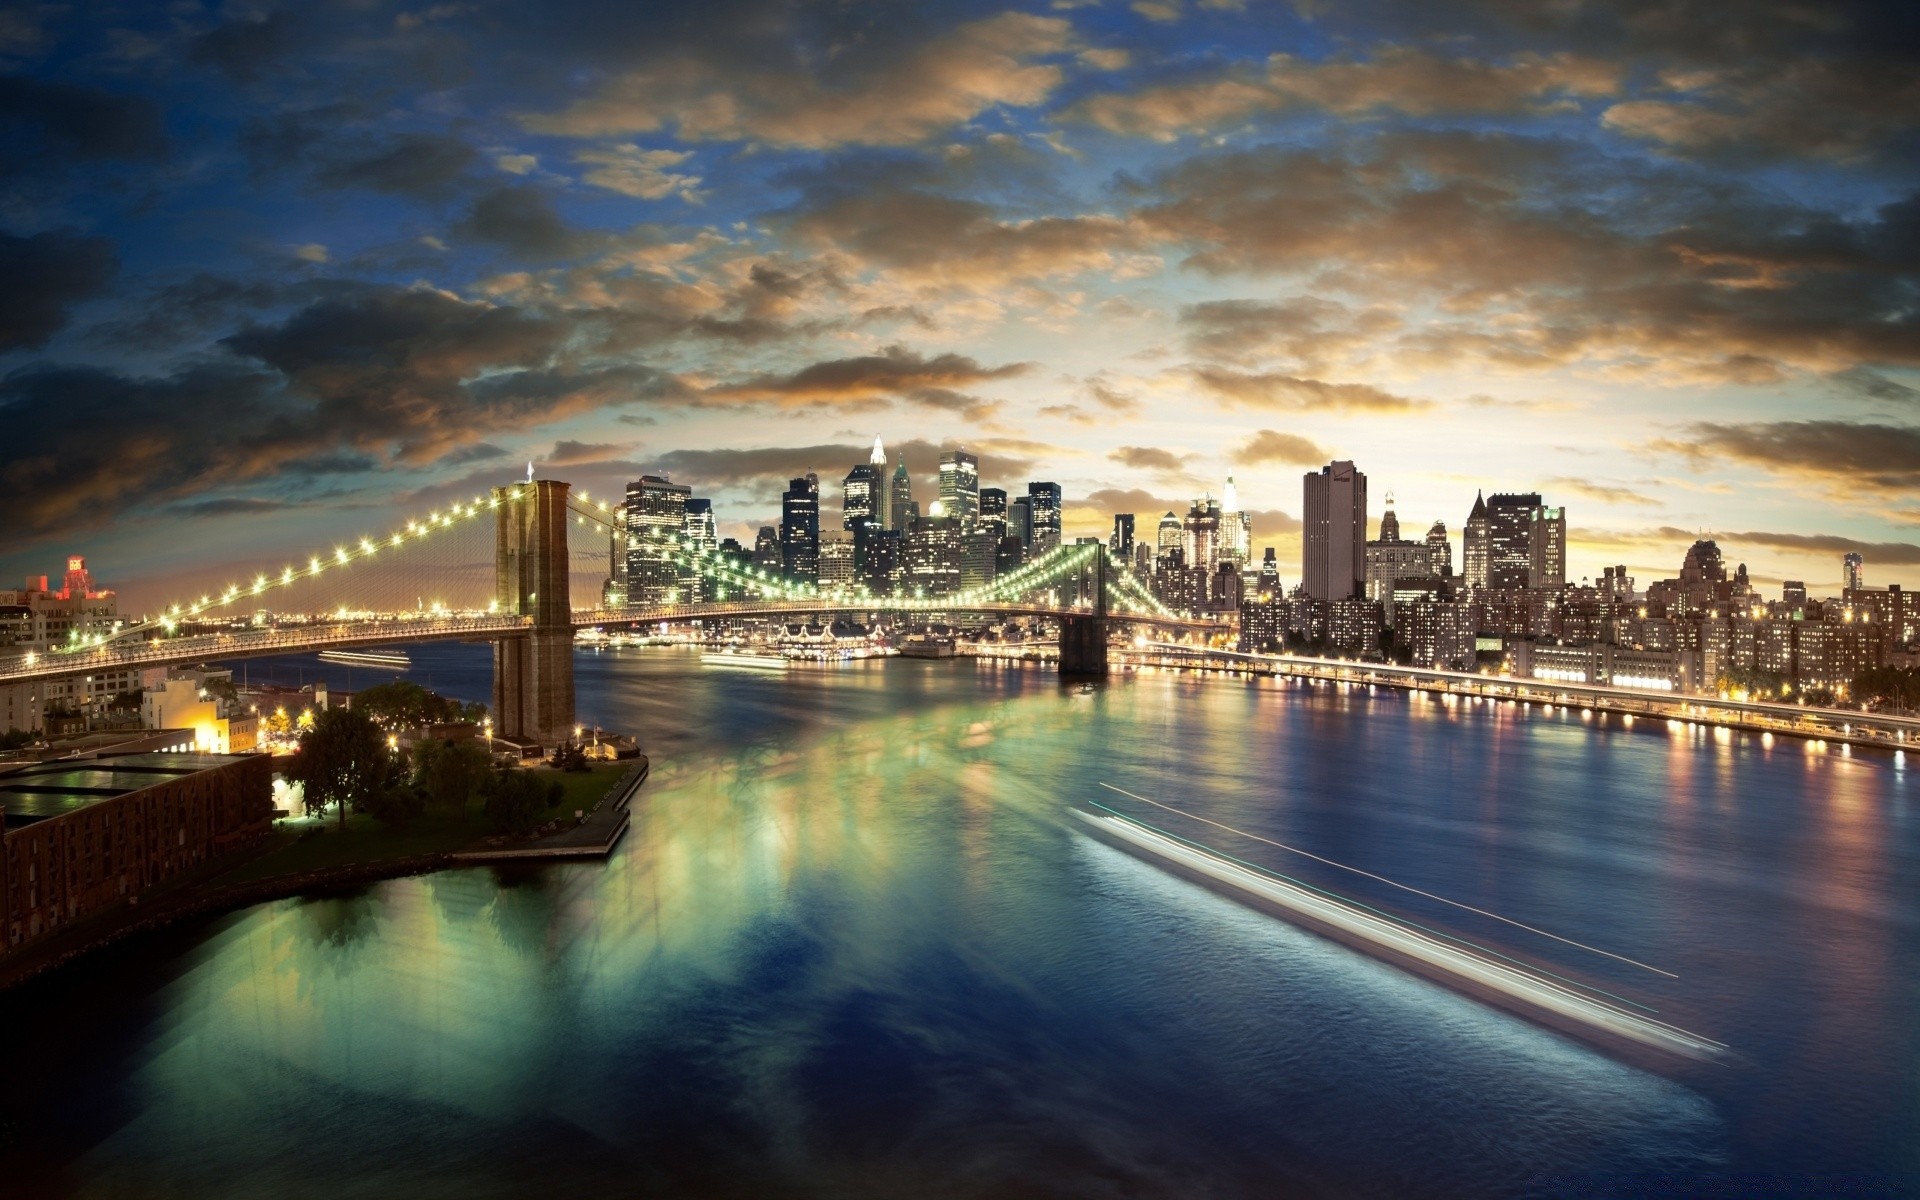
(1200, 535)
(1547, 547)
(901, 510)
(1476, 546)
(863, 497)
(800, 529)
(1334, 533)
(1510, 539)
(1120, 544)
(993, 511)
(1043, 501)
(1853, 570)
(836, 561)
(933, 555)
(766, 550)
(1236, 528)
(1268, 586)
(1793, 593)
(1390, 559)
(656, 512)
(1440, 550)
(1169, 535)
(960, 487)
(1020, 520)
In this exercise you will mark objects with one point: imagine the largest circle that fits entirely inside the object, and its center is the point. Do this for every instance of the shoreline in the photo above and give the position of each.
(193, 899)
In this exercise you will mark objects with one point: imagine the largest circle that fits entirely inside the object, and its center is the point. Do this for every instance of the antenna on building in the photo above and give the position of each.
(529, 470)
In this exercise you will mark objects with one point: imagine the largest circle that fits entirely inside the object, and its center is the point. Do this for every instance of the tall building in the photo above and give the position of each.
(836, 561)
(800, 529)
(1852, 570)
(993, 511)
(1476, 546)
(901, 510)
(1200, 535)
(1793, 592)
(1269, 586)
(932, 554)
(1120, 545)
(1043, 501)
(703, 539)
(1236, 528)
(1020, 521)
(1333, 560)
(1391, 558)
(863, 497)
(766, 550)
(1170, 535)
(1547, 547)
(656, 512)
(1510, 539)
(1440, 550)
(960, 487)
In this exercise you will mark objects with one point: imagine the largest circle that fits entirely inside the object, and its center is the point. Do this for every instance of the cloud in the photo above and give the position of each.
(877, 94)
(407, 164)
(1150, 458)
(521, 220)
(567, 453)
(1272, 446)
(1394, 79)
(81, 122)
(1860, 454)
(1306, 330)
(1291, 393)
(642, 174)
(243, 48)
(46, 275)
(1860, 381)
(1841, 109)
(1604, 493)
(875, 379)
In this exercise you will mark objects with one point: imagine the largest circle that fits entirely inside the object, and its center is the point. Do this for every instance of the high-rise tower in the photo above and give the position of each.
(1334, 538)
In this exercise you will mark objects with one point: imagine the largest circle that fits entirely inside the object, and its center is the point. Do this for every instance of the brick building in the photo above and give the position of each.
(80, 835)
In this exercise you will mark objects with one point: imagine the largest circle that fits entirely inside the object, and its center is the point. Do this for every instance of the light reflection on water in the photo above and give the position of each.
(850, 947)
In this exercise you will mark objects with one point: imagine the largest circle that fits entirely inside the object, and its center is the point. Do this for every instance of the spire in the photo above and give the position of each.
(879, 456)
(1479, 506)
(1230, 496)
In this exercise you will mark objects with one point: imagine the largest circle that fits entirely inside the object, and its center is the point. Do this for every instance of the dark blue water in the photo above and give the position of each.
(852, 947)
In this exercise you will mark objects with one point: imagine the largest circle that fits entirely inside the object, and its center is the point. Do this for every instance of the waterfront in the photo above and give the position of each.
(854, 946)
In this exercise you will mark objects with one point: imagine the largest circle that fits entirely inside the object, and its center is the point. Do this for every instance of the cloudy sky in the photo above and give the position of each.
(281, 273)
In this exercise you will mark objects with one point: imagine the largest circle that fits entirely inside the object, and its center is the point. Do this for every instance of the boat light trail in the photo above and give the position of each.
(1408, 946)
(1394, 883)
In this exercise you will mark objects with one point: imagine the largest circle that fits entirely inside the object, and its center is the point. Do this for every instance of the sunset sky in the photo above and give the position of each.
(279, 274)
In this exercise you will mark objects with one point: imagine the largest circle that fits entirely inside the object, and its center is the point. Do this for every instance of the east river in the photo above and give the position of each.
(855, 946)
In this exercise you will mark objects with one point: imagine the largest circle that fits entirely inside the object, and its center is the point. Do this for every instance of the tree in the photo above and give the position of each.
(1881, 686)
(570, 755)
(404, 704)
(517, 800)
(278, 723)
(450, 774)
(342, 759)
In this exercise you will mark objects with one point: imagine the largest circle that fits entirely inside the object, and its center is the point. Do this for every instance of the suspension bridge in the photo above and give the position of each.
(504, 569)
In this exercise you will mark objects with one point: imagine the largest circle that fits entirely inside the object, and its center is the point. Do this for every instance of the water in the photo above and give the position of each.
(852, 947)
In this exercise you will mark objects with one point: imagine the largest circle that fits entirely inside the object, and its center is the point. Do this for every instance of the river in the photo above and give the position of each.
(854, 946)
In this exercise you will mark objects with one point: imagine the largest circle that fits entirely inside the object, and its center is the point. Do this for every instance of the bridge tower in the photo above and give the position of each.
(533, 673)
(1083, 640)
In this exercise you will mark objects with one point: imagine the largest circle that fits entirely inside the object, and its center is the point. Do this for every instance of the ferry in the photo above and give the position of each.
(389, 660)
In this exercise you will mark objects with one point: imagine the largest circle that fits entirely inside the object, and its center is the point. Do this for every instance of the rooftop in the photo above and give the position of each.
(40, 791)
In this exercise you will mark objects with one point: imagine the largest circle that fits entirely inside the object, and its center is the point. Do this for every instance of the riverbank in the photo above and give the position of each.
(320, 858)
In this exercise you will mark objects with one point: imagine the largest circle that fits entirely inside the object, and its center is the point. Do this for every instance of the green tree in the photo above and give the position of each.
(570, 755)
(1898, 687)
(343, 759)
(518, 800)
(450, 774)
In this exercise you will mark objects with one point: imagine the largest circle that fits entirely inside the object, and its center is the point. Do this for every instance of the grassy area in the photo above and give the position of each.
(364, 840)
(584, 788)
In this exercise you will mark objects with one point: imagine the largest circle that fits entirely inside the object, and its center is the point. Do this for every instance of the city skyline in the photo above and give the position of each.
(1130, 250)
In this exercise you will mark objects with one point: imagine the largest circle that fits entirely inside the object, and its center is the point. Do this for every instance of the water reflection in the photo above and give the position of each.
(851, 948)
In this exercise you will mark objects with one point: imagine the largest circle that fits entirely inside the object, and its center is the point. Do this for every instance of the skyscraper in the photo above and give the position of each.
(1043, 500)
(1476, 546)
(766, 550)
(993, 511)
(656, 512)
(1020, 519)
(1236, 527)
(960, 487)
(1440, 549)
(703, 538)
(800, 529)
(1392, 558)
(901, 510)
(1510, 539)
(1201, 536)
(1269, 575)
(864, 494)
(1169, 535)
(1334, 536)
(1120, 545)
(1852, 570)
(1547, 547)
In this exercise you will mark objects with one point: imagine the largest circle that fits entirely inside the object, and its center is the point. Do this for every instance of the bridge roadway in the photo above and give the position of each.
(128, 653)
